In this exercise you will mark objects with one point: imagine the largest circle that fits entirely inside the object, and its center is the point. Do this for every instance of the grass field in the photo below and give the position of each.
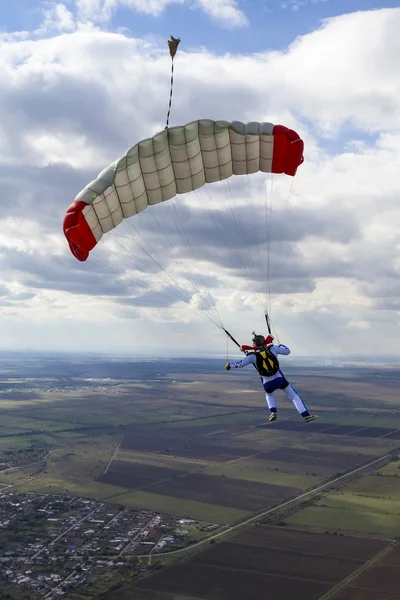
(347, 500)
(377, 486)
(163, 461)
(393, 469)
(183, 508)
(67, 465)
(242, 470)
(260, 562)
(207, 425)
(318, 518)
(198, 445)
(370, 505)
(349, 445)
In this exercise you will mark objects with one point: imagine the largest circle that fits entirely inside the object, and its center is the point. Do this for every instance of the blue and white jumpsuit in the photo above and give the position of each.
(275, 382)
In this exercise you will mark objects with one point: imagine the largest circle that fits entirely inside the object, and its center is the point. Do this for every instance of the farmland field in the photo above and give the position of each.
(289, 564)
(378, 486)
(343, 520)
(285, 563)
(213, 513)
(393, 558)
(196, 443)
(383, 577)
(214, 583)
(350, 547)
(353, 593)
(243, 494)
(257, 469)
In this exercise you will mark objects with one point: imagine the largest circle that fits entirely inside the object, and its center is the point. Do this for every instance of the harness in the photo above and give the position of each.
(266, 362)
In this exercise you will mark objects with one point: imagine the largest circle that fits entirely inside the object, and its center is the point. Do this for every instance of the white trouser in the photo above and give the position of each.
(292, 394)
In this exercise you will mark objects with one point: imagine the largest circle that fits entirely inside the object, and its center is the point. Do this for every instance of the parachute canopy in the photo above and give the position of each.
(176, 161)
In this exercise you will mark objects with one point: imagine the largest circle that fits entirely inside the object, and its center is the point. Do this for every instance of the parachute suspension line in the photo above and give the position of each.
(250, 272)
(231, 337)
(269, 228)
(173, 44)
(167, 246)
(187, 299)
(250, 275)
(133, 239)
(283, 234)
(273, 270)
(267, 250)
(224, 230)
(177, 294)
(268, 323)
(257, 247)
(171, 298)
(103, 263)
(186, 240)
(284, 228)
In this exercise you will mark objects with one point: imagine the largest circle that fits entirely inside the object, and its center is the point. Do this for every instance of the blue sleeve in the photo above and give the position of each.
(281, 349)
(243, 363)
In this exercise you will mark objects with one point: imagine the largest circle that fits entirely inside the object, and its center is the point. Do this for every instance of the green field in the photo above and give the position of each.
(361, 521)
(369, 505)
(348, 501)
(239, 470)
(160, 460)
(229, 437)
(393, 469)
(201, 434)
(350, 445)
(66, 464)
(377, 486)
(182, 508)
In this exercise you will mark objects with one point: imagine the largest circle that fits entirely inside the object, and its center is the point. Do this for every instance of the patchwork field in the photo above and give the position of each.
(369, 505)
(213, 583)
(223, 469)
(284, 564)
(380, 581)
(191, 509)
(197, 444)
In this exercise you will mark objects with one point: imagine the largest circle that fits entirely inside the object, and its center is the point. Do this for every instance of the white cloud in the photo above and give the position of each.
(75, 101)
(57, 18)
(226, 11)
(65, 148)
(359, 324)
(223, 11)
(298, 4)
(102, 10)
(28, 237)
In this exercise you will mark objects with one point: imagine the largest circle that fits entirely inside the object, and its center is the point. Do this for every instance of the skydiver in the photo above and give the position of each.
(263, 354)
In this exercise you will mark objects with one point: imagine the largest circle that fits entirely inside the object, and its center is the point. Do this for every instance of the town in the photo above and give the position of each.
(52, 544)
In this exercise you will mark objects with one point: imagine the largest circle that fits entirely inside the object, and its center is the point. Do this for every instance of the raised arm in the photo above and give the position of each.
(281, 349)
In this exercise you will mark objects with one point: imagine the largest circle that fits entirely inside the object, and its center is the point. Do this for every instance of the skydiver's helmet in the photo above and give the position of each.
(260, 340)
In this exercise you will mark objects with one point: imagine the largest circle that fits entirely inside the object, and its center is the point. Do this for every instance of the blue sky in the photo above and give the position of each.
(75, 96)
(272, 24)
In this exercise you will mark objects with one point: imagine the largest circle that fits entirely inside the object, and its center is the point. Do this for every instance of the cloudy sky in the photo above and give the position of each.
(84, 80)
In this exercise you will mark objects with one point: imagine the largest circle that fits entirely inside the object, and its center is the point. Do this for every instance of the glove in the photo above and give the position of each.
(227, 366)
